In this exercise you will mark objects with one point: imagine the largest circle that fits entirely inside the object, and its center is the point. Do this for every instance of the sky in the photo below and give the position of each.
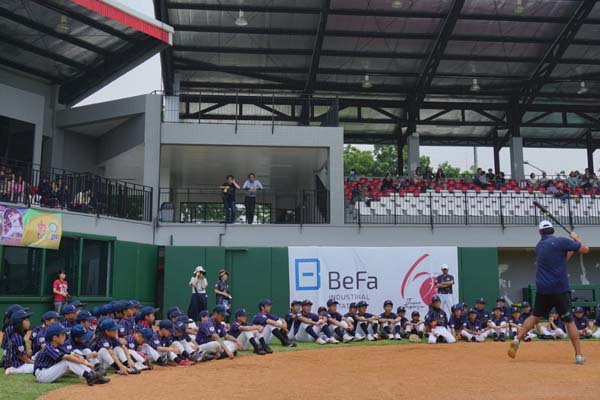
(147, 78)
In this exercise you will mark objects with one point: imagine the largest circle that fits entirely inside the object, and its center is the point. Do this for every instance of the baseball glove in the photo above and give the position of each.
(413, 338)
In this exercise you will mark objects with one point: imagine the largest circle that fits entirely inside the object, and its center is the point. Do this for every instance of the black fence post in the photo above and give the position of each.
(466, 209)
(570, 213)
(431, 210)
(501, 212)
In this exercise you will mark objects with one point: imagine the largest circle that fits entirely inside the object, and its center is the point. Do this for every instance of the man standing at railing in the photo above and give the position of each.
(251, 186)
(229, 188)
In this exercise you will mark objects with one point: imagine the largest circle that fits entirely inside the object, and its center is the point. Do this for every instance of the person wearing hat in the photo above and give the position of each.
(444, 283)
(6, 325)
(350, 316)
(402, 320)
(341, 326)
(273, 326)
(37, 337)
(415, 326)
(249, 335)
(146, 317)
(387, 320)
(582, 323)
(552, 284)
(188, 349)
(222, 290)
(291, 318)
(86, 319)
(501, 302)
(69, 314)
(111, 352)
(212, 335)
(199, 299)
(138, 342)
(554, 329)
(310, 325)
(78, 343)
(52, 362)
(367, 324)
(457, 321)
(17, 360)
(127, 323)
(437, 321)
(498, 324)
(473, 330)
(514, 321)
(483, 315)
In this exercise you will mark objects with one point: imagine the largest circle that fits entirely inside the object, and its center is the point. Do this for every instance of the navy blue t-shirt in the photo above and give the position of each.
(551, 259)
(445, 278)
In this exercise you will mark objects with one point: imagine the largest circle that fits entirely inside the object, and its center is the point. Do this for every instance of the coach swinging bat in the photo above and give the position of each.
(552, 217)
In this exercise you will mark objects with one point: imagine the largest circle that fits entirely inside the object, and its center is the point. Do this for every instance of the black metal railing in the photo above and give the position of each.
(31, 185)
(205, 205)
(239, 109)
(460, 208)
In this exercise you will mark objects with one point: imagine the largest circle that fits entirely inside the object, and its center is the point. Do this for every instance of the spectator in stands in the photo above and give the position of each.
(66, 197)
(543, 181)
(44, 191)
(3, 187)
(353, 177)
(532, 181)
(428, 175)
(251, 186)
(19, 190)
(82, 201)
(402, 183)
(54, 194)
(490, 176)
(229, 188)
(440, 176)
(481, 179)
(10, 183)
(500, 180)
(358, 193)
(387, 183)
(573, 179)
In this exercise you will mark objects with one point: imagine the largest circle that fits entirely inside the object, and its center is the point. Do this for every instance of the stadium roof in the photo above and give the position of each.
(80, 45)
(466, 72)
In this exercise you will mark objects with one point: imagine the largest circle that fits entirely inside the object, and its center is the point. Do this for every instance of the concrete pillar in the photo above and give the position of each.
(516, 158)
(336, 179)
(413, 156)
(171, 112)
(152, 128)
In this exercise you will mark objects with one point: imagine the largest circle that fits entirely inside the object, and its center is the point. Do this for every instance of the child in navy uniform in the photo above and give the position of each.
(514, 322)
(111, 352)
(17, 361)
(69, 313)
(457, 320)
(555, 329)
(138, 342)
(341, 327)
(416, 326)
(248, 334)
(472, 329)
(37, 337)
(291, 319)
(387, 320)
(526, 313)
(400, 323)
(497, 324)
(582, 323)
(79, 343)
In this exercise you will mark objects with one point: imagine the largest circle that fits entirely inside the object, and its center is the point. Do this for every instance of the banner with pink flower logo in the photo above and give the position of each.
(405, 275)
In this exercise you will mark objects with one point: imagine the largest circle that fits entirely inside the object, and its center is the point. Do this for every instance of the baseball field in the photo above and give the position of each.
(367, 370)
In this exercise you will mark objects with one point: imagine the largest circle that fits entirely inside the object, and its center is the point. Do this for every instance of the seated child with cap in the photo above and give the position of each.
(310, 325)
(248, 335)
(472, 329)
(342, 327)
(457, 321)
(387, 320)
(52, 362)
(163, 349)
(367, 324)
(415, 326)
(37, 338)
(497, 324)
(401, 320)
(526, 313)
(582, 323)
(111, 352)
(139, 347)
(79, 342)
(188, 349)
(213, 337)
(555, 328)
(17, 360)
(514, 322)
(69, 313)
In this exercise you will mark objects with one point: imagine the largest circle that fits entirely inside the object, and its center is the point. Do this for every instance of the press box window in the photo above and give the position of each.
(20, 271)
(95, 268)
(65, 258)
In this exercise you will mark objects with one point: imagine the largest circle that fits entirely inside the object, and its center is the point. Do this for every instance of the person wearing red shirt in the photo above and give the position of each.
(60, 289)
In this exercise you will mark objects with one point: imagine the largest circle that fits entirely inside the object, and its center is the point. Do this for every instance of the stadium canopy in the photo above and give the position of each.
(458, 72)
(79, 45)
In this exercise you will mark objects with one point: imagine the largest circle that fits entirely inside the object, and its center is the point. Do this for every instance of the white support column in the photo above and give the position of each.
(413, 155)
(516, 158)
(152, 127)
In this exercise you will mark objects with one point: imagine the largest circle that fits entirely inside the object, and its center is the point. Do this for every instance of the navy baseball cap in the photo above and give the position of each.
(12, 308)
(135, 303)
(415, 314)
(435, 298)
(108, 324)
(514, 309)
(480, 300)
(19, 315)
(223, 272)
(501, 298)
(388, 303)
(472, 311)
(203, 314)
(127, 304)
(352, 305)
(525, 304)
(553, 310)
(295, 303)
(78, 331)
(264, 302)
(307, 302)
(54, 330)
(107, 309)
(96, 311)
(77, 304)
(147, 333)
(362, 303)
(458, 306)
(241, 313)
(147, 310)
(400, 309)
(221, 309)
(321, 309)
(497, 308)
(331, 302)
(68, 309)
(179, 326)
(49, 315)
(173, 310)
(165, 324)
(117, 306)
(577, 309)
(185, 319)
(84, 316)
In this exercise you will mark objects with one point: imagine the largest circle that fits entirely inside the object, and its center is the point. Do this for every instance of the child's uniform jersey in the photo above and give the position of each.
(127, 326)
(209, 328)
(388, 316)
(15, 349)
(261, 319)
(524, 316)
(48, 357)
(516, 321)
(234, 329)
(483, 315)
(456, 323)
(70, 345)
(497, 320)
(581, 323)
(439, 316)
(132, 344)
(559, 324)
(37, 338)
(312, 316)
(473, 325)
(104, 342)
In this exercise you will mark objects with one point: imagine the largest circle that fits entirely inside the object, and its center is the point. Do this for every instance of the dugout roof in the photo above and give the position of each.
(79, 45)
(529, 58)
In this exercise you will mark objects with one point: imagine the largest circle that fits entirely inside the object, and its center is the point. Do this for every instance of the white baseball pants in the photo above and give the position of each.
(23, 369)
(447, 303)
(303, 336)
(595, 335)
(479, 338)
(49, 375)
(557, 333)
(502, 329)
(268, 332)
(245, 337)
(443, 332)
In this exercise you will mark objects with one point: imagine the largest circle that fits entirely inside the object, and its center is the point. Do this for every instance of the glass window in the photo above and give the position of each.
(95, 268)
(64, 258)
(20, 271)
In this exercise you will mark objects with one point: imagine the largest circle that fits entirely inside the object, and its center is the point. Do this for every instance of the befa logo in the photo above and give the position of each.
(419, 282)
(308, 273)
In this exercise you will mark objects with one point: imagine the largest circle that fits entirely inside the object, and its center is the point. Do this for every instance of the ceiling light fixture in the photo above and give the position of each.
(396, 4)
(475, 86)
(519, 8)
(367, 82)
(240, 20)
(582, 88)
(63, 25)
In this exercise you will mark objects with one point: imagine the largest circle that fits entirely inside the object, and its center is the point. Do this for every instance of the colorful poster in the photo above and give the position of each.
(29, 228)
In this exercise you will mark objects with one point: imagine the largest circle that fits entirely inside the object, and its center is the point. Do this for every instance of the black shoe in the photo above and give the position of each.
(260, 351)
(473, 339)
(502, 338)
(93, 379)
(163, 360)
(99, 370)
(291, 344)
(148, 363)
(101, 380)
(496, 338)
(267, 349)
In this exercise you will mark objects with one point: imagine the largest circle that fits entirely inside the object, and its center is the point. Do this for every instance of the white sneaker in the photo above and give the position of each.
(376, 336)
(358, 337)
(9, 371)
(347, 338)
(140, 366)
(397, 336)
(320, 341)
(370, 337)
(579, 359)
(333, 340)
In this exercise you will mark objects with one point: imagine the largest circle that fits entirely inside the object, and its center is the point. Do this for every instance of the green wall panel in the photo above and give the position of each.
(478, 269)
(280, 281)
(134, 271)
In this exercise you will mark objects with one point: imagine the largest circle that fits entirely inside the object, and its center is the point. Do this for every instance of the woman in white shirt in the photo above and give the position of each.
(198, 301)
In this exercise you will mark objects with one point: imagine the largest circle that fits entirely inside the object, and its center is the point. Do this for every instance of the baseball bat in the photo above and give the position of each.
(552, 217)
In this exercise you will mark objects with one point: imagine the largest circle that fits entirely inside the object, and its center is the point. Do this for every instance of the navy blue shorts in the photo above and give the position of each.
(545, 302)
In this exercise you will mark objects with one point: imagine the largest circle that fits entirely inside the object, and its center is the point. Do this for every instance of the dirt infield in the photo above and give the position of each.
(542, 370)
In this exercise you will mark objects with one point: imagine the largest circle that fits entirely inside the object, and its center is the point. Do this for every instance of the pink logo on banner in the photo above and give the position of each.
(423, 280)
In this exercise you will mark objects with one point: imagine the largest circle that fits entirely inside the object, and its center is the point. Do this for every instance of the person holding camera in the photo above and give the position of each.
(229, 189)
(198, 302)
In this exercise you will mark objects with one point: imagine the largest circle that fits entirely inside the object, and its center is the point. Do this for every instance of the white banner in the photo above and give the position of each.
(405, 275)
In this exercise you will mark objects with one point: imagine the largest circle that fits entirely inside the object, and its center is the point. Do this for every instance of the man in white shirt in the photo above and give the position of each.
(251, 186)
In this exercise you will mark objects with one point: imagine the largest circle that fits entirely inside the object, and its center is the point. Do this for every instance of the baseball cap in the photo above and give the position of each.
(307, 302)
(147, 333)
(331, 302)
(264, 302)
(553, 310)
(295, 303)
(221, 309)
(501, 298)
(199, 268)
(514, 309)
(525, 304)
(54, 330)
(388, 303)
(19, 315)
(108, 324)
(107, 309)
(544, 224)
(173, 312)
(68, 309)
(12, 308)
(480, 300)
(223, 272)
(241, 312)
(352, 305)
(362, 303)
(185, 319)
(127, 304)
(578, 309)
(179, 326)
(77, 304)
(400, 309)
(444, 266)
(84, 316)
(321, 309)
(435, 298)
(147, 310)
(458, 306)
(49, 315)
(497, 308)
(472, 311)
(203, 314)
(165, 324)
(78, 331)
(135, 303)
(96, 311)
(415, 314)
